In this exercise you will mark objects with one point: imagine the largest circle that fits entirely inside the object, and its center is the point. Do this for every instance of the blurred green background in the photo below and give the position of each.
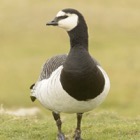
(26, 43)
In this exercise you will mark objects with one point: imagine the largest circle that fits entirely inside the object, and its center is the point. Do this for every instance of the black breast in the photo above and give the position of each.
(80, 77)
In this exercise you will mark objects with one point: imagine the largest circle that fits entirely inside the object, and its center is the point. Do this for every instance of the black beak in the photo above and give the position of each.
(53, 22)
(33, 98)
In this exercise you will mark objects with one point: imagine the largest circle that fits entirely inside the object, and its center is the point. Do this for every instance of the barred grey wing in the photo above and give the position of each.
(51, 65)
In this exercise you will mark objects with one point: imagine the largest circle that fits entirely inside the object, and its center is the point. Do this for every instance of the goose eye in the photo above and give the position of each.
(62, 17)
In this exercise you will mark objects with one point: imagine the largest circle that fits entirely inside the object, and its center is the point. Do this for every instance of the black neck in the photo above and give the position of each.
(79, 35)
(80, 76)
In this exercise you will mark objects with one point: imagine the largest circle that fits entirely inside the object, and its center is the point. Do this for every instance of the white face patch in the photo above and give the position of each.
(60, 13)
(68, 23)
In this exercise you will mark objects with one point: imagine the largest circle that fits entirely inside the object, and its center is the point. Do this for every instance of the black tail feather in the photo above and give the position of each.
(31, 87)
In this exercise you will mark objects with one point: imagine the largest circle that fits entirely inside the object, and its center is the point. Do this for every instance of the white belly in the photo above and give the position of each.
(52, 96)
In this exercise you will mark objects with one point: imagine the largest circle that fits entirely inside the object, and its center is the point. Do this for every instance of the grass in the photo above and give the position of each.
(100, 126)
(25, 43)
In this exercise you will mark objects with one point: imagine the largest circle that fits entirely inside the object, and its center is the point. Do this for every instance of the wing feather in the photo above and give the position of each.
(51, 65)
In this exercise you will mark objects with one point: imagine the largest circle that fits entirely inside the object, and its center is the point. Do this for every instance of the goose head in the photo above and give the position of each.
(67, 19)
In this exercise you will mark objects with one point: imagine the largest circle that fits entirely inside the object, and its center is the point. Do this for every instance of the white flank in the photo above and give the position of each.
(52, 96)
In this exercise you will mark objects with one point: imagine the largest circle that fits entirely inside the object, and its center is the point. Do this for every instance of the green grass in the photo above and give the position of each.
(26, 42)
(98, 126)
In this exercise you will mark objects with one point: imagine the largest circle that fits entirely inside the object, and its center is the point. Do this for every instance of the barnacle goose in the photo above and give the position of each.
(73, 83)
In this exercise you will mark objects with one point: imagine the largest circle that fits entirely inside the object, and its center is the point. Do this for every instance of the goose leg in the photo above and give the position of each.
(60, 135)
(77, 135)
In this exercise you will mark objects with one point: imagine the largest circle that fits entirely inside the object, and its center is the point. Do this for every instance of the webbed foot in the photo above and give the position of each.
(61, 136)
(77, 135)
